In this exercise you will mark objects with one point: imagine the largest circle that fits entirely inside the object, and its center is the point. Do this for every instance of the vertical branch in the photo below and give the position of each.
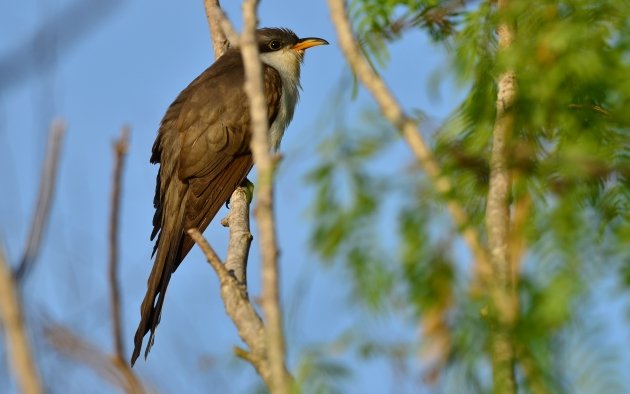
(133, 384)
(18, 348)
(120, 150)
(240, 236)
(264, 209)
(498, 223)
(44, 199)
(214, 14)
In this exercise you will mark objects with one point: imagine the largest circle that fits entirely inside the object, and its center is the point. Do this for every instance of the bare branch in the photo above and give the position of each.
(221, 29)
(120, 150)
(237, 305)
(407, 127)
(240, 236)
(44, 199)
(264, 210)
(220, 42)
(19, 352)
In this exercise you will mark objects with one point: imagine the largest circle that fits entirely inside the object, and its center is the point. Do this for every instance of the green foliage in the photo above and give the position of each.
(347, 205)
(318, 373)
(466, 363)
(427, 270)
(383, 21)
(569, 158)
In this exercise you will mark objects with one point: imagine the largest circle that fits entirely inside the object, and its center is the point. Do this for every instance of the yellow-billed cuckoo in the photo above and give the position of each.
(203, 150)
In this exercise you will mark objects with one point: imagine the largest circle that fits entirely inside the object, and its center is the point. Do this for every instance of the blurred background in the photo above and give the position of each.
(100, 65)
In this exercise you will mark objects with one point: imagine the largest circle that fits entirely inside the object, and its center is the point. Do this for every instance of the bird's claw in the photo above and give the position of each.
(248, 188)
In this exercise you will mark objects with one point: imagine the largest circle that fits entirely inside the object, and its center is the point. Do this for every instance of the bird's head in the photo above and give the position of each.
(283, 50)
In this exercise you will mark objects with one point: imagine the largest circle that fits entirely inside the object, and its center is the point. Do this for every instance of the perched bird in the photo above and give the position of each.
(203, 150)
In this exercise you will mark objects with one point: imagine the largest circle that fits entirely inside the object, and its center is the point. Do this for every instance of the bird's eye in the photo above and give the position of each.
(274, 45)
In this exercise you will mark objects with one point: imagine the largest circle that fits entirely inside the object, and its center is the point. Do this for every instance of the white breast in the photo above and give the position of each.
(287, 63)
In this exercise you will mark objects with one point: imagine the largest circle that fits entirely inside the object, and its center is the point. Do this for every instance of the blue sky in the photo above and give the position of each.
(127, 70)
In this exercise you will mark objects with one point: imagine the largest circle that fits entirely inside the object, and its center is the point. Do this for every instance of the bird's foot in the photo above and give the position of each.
(248, 188)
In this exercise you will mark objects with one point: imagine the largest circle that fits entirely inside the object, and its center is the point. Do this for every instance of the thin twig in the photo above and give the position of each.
(264, 210)
(18, 348)
(407, 127)
(44, 200)
(120, 150)
(212, 256)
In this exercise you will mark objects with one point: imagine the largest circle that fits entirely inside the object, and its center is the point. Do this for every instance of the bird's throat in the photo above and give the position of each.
(287, 63)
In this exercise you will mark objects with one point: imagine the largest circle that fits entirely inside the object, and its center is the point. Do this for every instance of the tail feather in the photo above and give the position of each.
(168, 257)
(187, 205)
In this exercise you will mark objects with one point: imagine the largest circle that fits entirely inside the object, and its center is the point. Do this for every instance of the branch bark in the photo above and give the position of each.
(18, 348)
(44, 199)
(221, 29)
(216, 21)
(409, 131)
(240, 236)
(264, 212)
(235, 299)
(503, 294)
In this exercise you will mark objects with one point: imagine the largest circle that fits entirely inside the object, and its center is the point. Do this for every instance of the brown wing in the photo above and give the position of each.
(203, 151)
(213, 178)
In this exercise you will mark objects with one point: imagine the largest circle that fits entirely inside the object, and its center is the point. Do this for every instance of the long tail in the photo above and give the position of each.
(186, 205)
(168, 257)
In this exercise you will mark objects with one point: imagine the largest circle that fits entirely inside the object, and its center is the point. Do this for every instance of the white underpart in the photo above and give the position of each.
(287, 62)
